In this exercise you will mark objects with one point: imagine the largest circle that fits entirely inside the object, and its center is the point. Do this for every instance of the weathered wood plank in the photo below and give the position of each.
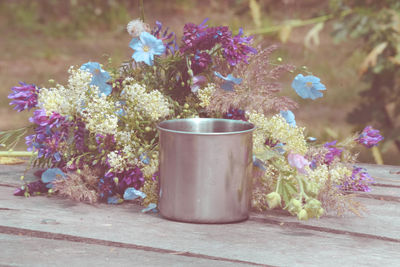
(251, 241)
(31, 251)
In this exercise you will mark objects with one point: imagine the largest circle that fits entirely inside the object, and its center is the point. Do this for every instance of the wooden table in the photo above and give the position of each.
(52, 231)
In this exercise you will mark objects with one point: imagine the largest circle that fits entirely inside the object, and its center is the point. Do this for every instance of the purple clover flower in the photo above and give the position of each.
(80, 133)
(200, 61)
(106, 187)
(24, 96)
(369, 137)
(195, 37)
(49, 133)
(237, 49)
(128, 178)
(358, 181)
(32, 188)
(333, 152)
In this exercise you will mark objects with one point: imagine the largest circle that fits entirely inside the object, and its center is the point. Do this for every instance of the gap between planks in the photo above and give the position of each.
(93, 241)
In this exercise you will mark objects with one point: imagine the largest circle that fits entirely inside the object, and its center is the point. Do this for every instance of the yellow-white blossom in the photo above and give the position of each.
(67, 100)
(205, 94)
(278, 129)
(100, 114)
(151, 105)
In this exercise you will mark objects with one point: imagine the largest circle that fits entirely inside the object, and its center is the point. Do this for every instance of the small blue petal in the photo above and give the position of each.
(233, 79)
(311, 139)
(258, 163)
(51, 174)
(131, 194)
(114, 200)
(279, 148)
(228, 86)
(308, 86)
(146, 46)
(151, 207)
(230, 81)
(57, 156)
(144, 159)
(289, 117)
(100, 77)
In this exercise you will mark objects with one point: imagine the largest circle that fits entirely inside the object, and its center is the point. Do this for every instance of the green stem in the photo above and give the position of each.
(141, 8)
(302, 193)
(278, 184)
(16, 153)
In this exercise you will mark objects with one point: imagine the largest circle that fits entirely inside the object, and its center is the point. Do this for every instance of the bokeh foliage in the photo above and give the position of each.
(377, 25)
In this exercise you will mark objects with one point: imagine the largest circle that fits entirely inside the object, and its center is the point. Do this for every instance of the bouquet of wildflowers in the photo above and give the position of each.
(95, 138)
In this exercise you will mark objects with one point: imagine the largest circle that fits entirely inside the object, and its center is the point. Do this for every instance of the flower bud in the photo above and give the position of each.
(147, 129)
(294, 206)
(186, 106)
(302, 215)
(320, 212)
(273, 200)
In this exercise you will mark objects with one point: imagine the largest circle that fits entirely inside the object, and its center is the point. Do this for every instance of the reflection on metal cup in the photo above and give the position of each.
(205, 170)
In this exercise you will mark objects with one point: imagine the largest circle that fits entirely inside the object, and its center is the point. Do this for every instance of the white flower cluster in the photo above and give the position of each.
(67, 100)
(278, 129)
(151, 105)
(205, 94)
(100, 115)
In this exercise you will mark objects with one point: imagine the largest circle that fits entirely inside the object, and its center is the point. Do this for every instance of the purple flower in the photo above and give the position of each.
(31, 188)
(39, 117)
(235, 114)
(169, 39)
(129, 178)
(333, 152)
(106, 187)
(200, 61)
(195, 38)
(237, 49)
(369, 137)
(80, 133)
(49, 133)
(358, 181)
(24, 96)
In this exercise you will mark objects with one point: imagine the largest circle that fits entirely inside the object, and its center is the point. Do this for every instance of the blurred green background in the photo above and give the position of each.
(40, 39)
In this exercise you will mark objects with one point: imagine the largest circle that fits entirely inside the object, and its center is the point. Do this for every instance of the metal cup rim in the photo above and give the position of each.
(252, 127)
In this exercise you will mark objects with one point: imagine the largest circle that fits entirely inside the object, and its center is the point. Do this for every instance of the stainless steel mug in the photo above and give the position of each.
(205, 170)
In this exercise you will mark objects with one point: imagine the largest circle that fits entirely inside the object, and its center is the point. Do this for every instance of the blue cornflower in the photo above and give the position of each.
(289, 117)
(146, 46)
(131, 193)
(151, 207)
(230, 81)
(50, 175)
(308, 86)
(100, 77)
